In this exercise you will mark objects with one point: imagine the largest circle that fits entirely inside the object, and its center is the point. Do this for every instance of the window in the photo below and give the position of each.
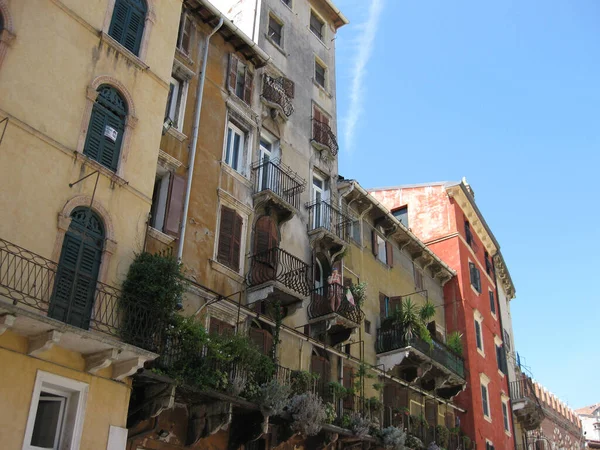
(506, 339)
(167, 202)
(56, 413)
(382, 249)
(127, 23)
(485, 399)
(75, 283)
(320, 126)
(262, 338)
(184, 36)
(402, 215)
(501, 359)
(478, 335)
(418, 277)
(275, 31)
(230, 238)
(355, 231)
(492, 302)
(287, 3)
(106, 127)
(475, 277)
(320, 73)
(322, 216)
(316, 25)
(234, 148)
(388, 305)
(468, 233)
(505, 415)
(489, 268)
(220, 327)
(489, 445)
(240, 79)
(176, 102)
(367, 327)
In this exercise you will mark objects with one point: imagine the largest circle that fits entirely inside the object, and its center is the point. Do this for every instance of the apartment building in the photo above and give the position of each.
(590, 422)
(82, 92)
(446, 217)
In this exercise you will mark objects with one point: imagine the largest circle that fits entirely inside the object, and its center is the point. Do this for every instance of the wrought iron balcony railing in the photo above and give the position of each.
(279, 179)
(278, 265)
(332, 299)
(523, 389)
(323, 215)
(394, 338)
(323, 135)
(279, 91)
(32, 281)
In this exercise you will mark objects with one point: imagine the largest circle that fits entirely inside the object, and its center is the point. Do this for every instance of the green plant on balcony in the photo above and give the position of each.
(373, 405)
(454, 343)
(392, 438)
(412, 320)
(467, 443)
(363, 373)
(442, 436)
(272, 398)
(338, 390)
(359, 292)
(330, 412)
(308, 414)
(414, 442)
(303, 381)
(359, 425)
(158, 281)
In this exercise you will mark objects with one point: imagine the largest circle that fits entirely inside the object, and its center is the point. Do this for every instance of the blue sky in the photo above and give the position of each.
(507, 94)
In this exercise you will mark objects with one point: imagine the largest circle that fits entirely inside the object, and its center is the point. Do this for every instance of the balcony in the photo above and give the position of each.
(525, 404)
(276, 273)
(435, 366)
(277, 93)
(276, 186)
(327, 225)
(329, 305)
(323, 138)
(29, 286)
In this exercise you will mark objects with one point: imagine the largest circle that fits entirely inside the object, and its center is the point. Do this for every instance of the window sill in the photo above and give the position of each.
(227, 271)
(287, 6)
(501, 373)
(235, 174)
(177, 134)
(481, 352)
(160, 236)
(242, 108)
(184, 56)
(494, 316)
(114, 178)
(108, 40)
(508, 433)
(168, 162)
(321, 88)
(276, 45)
(320, 39)
(475, 290)
(488, 418)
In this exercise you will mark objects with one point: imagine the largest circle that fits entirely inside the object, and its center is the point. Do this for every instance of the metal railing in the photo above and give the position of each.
(323, 135)
(523, 389)
(30, 280)
(331, 299)
(277, 90)
(321, 214)
(278, 265)
(394, 338)
(281, 180)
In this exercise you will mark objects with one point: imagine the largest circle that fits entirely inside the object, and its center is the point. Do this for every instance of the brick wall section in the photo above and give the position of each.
(438, 221)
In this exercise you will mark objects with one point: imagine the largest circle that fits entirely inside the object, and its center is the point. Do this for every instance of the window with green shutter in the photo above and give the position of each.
(127, 23)
(75, 286)
(107, 125)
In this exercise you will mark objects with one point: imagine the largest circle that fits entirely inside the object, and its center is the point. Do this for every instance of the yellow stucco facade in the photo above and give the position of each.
(54, 56)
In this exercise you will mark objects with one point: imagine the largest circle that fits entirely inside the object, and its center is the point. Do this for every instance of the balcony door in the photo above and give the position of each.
(75, 284)
(269, 156)
(320, 197)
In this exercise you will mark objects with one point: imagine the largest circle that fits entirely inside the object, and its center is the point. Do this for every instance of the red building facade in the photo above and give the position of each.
(446, 218)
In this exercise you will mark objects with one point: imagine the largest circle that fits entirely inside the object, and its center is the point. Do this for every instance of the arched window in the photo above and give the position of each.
(105, 131)
(127, 23)
(75, 286)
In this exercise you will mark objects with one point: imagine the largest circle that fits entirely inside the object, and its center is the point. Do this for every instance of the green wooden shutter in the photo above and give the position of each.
(118, 22)
(98, 146)
(134, 31)
(109, 155)
(95, 134)
(59, 305)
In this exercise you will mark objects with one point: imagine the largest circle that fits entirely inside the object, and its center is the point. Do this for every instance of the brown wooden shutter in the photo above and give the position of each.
(266, 235)
(248, 79)
(431, 412)
(395, 304)
(236, 243)
(219, 327)
(174, 210)
(389, 251)
(382, 312)
(374, 242)
(226, 230)
(233, 65)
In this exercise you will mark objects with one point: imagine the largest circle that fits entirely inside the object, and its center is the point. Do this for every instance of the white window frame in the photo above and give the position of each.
(177, 112)
(418, 275)
(478, 318)
(381, 248)
(323, 25)
(184, 20)
(496, 304)
(485, 382)
(505, 419)
(228, 155)
(274, 18)
(158, 222)
(75, 393)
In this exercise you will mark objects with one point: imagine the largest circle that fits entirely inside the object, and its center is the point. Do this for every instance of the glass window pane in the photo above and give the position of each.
(228, 148)
(48, 419)
(236, 151)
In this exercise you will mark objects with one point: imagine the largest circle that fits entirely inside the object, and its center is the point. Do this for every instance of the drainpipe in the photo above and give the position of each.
(192, 158)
